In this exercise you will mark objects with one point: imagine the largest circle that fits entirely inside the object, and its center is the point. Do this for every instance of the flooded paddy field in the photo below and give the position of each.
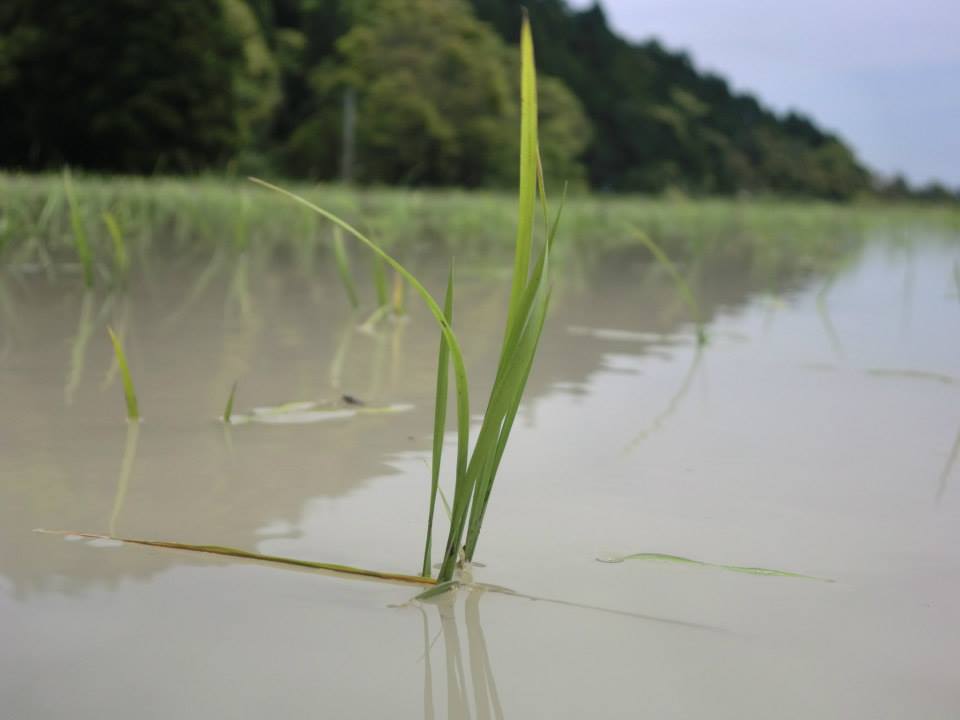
(816, 432)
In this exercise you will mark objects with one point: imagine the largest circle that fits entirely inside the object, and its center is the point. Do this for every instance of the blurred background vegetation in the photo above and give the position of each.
(399, 92)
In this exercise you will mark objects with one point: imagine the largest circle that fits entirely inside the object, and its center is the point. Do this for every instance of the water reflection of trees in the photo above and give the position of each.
(289, 335)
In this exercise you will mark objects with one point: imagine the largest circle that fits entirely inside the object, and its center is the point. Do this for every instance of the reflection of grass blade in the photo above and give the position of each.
(948, 468)
(78, 348)
(823, 311)
(486, 697)
(689, 561)
(129, 393)
(683, 289)
(672, 405)
(126, 469)
(439, 422)
(121, 259)
(79, 232)
(428, 710)
(909, 373)
(399, 295)
(457, 704)
(234, 552)
(228, 410)
(343, 266)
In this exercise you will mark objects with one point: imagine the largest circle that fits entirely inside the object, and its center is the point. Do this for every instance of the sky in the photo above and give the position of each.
(883, 74)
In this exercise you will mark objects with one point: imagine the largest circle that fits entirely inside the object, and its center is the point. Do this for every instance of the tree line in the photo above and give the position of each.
(407, 92)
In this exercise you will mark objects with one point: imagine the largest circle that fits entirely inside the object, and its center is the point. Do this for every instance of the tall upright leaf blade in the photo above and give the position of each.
(439, 422)
(529, 155)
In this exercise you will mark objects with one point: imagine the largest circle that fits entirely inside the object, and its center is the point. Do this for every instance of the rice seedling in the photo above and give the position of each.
(683, 289)
(121, 259)
(129, 393)
(228, 410)
(343, 267)
(80, 241)
(529, 300)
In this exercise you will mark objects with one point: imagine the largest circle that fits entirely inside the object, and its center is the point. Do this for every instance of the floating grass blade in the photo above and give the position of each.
(343, 267)
(121, 259)
(235, 552)
(228, 410)
(683, 289)
(661, 557)
(129, 393)
(439, 422)
(79, 232)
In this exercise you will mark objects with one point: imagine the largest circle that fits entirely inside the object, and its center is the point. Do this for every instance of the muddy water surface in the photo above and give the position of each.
(817, 433)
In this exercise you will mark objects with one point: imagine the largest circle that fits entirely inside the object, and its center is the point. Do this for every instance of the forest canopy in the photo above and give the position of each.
(407, 92)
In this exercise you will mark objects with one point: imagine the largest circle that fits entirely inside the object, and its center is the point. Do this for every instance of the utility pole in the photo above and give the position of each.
(349, 134)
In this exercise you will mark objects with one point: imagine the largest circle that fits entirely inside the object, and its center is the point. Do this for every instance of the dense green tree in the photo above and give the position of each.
(128, 85)
(437, 101)
(659, 123)
(266, 85)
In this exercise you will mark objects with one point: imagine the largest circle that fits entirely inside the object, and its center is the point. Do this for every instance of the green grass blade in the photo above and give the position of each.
(133, 412)
(529, 157)
(662, 557)
(343, 267)
(228, 410)
(380, 282)
(439, 421)
(121, 259)
(512, 388)
(246, 554)
(683, 289)
(461, 491)
(399, 295)
(79, 232)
